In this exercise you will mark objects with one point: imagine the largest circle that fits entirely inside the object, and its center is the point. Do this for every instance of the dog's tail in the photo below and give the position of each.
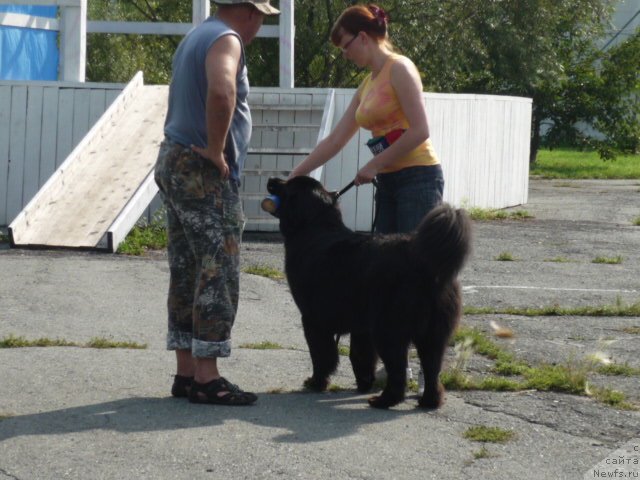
(443, 241)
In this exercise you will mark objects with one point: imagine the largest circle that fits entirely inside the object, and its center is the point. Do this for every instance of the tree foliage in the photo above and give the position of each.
(548, 50)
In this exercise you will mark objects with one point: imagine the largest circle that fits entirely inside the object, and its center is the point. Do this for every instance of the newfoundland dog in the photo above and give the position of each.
(386, 291)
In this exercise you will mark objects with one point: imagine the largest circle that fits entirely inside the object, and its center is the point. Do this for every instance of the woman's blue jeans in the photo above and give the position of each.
(404, 197)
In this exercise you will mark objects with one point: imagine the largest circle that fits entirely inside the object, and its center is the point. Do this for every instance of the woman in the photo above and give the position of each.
(389, 103)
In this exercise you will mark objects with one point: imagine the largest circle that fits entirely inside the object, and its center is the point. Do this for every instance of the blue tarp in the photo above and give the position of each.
(27, 53)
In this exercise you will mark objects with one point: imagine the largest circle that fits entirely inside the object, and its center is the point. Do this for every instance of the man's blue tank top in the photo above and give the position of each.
(186, 121)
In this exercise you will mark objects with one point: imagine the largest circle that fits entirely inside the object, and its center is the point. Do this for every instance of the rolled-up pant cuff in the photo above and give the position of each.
(179, 340)
(202, 349)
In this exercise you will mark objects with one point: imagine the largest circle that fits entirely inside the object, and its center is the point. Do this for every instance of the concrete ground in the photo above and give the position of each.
(79, 413)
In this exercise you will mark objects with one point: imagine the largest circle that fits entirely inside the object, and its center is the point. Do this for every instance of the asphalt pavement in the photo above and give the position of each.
(85, 413)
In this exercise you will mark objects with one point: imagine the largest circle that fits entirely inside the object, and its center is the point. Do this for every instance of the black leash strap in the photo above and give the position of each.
(375, 217)
(345, 189)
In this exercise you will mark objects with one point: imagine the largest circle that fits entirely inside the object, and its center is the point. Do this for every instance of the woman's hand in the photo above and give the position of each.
(366, 174)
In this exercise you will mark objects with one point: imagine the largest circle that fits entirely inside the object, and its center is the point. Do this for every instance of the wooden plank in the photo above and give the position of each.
(131, 212)
(5, 122)
(17, 129)
(32, 145)
(105, 178)
(48, 199)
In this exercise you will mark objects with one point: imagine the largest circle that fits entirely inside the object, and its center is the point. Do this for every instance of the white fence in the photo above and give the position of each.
(482, 140)
(40, 124)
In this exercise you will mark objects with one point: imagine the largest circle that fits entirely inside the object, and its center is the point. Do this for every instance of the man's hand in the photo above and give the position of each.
(217, 159)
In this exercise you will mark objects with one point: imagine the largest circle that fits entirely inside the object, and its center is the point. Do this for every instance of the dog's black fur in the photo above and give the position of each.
(385, 290)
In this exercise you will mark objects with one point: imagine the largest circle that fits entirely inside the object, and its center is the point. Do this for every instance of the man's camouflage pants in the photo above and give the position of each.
(205, 222)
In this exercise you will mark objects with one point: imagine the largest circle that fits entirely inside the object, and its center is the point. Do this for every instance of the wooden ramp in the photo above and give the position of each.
(105, 184)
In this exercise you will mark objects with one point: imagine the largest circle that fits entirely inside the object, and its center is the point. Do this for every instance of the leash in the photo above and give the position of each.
(337, 195)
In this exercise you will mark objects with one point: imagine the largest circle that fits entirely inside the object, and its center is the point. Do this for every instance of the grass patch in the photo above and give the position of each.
(4, 238)
(482, 453)
(608, 260)
(617, 370)
(344, 350)
(571, 163)
(21, 342)
(636, 222)
(617, 310)
(558, 260)
(100, 342)
(505, 257)
(12, 341)
(487, 214)
(479, 433)
(557, 378)
(262, 346)
(276, 391)
(612, 398)
(568, 378)
(412, 386)
(264, 271)
(333, 388)
(144, 237)
(632, 330)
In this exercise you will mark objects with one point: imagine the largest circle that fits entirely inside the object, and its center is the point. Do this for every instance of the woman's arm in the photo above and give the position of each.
(333, 143)
(407, 84)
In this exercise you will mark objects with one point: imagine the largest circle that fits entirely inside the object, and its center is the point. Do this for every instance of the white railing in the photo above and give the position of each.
(326, 126)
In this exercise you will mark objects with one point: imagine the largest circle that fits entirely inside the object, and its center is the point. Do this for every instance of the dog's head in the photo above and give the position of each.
(301, 202)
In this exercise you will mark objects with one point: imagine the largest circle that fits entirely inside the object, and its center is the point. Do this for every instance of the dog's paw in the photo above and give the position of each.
(364, 386)
(432, 400)
(316, 384)
(384, 401)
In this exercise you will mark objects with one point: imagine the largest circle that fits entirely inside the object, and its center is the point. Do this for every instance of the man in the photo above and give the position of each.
(207, 132)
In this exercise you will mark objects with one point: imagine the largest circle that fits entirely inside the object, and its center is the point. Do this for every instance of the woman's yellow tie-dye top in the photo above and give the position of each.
(380, 112)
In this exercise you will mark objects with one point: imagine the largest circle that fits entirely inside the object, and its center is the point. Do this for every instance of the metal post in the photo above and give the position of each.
(73, 40)
(287, 36)
(201, 10)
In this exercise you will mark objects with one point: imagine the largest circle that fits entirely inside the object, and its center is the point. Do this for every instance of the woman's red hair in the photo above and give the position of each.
(370, 19)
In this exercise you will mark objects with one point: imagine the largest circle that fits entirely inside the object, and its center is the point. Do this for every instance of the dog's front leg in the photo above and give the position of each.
(363, 358)
(324, 355)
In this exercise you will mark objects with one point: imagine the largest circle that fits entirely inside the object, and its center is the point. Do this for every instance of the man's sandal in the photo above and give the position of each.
(181, 386)
(220, 392)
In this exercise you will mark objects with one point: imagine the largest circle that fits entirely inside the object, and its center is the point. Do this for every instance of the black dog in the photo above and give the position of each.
(385, 290)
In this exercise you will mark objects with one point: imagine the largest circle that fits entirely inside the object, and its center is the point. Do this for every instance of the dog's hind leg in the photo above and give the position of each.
(432, 343)
(362, 354)
(324, 356)
(431, 349)
(393, 349)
